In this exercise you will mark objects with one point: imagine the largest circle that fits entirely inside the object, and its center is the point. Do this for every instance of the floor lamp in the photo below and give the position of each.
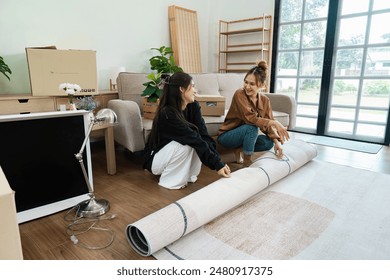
(93, 207)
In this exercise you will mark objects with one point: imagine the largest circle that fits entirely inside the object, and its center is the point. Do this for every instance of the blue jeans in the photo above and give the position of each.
(246, 136)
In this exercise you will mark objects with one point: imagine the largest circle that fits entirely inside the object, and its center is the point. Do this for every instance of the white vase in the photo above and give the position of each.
(72, 107)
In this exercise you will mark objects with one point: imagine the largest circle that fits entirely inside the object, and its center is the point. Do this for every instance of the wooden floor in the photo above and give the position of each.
(134, 193)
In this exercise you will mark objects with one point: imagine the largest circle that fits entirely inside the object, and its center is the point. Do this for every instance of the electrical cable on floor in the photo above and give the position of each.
(76, 228)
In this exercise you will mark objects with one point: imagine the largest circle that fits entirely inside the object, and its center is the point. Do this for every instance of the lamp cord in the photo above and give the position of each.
(76, 228)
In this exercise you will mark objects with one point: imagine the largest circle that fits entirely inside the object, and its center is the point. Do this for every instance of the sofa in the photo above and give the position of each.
(133, 130)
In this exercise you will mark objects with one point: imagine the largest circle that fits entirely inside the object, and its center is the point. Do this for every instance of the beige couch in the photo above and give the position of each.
(133, 129)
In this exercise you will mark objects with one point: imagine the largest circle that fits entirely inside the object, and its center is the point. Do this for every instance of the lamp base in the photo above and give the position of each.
(92, 208)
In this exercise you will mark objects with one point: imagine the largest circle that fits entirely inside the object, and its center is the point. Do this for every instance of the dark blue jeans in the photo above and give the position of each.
(246, 136)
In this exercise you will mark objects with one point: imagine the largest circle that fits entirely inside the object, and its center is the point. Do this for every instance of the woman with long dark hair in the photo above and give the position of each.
(249, 112)
(179, 142)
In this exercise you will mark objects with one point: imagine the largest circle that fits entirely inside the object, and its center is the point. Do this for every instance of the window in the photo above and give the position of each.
(301, 44)
(360, 82)
(340, 77)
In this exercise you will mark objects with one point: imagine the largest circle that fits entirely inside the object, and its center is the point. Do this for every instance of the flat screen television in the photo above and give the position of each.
(37, 155)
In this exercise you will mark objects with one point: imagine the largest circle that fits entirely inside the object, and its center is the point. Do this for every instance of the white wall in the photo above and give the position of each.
(121, 31)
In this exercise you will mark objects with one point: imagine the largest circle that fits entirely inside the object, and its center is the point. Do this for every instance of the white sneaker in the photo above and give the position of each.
(193, 179)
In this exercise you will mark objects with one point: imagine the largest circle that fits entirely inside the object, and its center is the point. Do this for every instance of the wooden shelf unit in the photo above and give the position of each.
(243, 42)
(25, 104)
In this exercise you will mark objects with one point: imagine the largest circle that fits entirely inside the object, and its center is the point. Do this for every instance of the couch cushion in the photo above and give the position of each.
(213, 123)
(224, 84)
(281, 117)
(228, 84)
(206, 84)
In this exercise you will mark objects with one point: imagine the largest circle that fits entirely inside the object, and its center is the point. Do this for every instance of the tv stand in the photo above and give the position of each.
(26, 103)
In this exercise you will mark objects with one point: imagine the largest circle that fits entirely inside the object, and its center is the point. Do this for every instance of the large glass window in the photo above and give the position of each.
(361, 76)
(354, 97)
(301, 46)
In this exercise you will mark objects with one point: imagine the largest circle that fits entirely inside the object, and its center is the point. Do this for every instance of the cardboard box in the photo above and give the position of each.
(49, 67)
(212, 105)
(10, 243)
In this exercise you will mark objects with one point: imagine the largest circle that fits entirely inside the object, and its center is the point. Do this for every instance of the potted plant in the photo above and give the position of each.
(153, 89)
(87, 103)
(163, 64)
(4, 69)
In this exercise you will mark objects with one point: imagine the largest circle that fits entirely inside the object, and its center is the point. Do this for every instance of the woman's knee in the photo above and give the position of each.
(269, 143)
(227, 139)
(263, 143)
(251, 130)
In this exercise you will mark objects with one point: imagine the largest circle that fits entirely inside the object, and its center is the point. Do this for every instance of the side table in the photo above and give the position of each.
(108, 130)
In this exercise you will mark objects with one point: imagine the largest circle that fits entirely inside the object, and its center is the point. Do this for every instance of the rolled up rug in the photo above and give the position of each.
(159, 229)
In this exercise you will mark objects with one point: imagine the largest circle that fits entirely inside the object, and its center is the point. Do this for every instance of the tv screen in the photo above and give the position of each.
(37, 155)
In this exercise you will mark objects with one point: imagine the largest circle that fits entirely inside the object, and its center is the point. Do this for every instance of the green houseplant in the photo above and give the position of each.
(4, 69)
(163, 63)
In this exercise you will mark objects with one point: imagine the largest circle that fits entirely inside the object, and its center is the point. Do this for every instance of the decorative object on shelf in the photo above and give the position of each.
(113, 75)
(4, 69)
(93, 207)
(164, 64)
(87, 103)
(72, 107)
(70, 90)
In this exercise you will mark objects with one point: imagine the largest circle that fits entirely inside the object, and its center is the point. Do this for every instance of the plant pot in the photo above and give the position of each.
(149, 108)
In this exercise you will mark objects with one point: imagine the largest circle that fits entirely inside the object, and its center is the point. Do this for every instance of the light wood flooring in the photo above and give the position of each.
(134, 193)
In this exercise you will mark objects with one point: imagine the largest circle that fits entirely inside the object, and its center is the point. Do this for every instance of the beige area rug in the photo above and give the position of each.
(275, 226)
(321, 211)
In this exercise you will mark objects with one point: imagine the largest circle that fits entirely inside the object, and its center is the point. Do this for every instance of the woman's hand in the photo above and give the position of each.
(278, 150)
(281, 130)
(224, 171)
